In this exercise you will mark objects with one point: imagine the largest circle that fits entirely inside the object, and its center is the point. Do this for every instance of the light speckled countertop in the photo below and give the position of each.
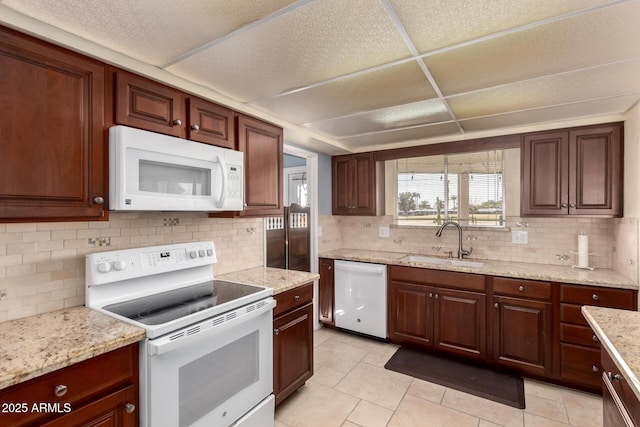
(278, 279)
(36, 345)
(555, 273)
(619, 333)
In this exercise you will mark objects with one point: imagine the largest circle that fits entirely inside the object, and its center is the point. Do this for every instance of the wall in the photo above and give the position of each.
(42, 264)
(324, 184)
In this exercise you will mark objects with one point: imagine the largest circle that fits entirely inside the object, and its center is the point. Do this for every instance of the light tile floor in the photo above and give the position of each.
(350, 387)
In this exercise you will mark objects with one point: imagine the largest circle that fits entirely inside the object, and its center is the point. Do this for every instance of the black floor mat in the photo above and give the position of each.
(477, 380)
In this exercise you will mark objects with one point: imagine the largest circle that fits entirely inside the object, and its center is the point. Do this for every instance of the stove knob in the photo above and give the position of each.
(104, 267)
(193, 254)
(201, 252)
(210, 252)
(119, 265)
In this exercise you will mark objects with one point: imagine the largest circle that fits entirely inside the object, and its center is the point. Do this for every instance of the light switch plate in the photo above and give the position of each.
(520, 237)
(384, 232)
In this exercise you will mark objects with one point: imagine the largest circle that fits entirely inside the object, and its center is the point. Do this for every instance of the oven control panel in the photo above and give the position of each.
(114, 266)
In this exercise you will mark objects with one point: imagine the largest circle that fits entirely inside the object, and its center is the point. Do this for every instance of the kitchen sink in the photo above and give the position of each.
(441, 261)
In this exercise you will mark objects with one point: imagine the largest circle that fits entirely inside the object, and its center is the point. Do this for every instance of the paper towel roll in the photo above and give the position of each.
(583, 251)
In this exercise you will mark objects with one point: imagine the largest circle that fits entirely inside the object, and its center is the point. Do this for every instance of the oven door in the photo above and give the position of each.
(211, 373)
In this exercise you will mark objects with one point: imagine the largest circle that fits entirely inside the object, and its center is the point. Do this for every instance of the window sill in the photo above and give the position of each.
(409, 224)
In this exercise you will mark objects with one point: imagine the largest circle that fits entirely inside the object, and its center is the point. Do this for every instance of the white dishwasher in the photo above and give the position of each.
(361, 297)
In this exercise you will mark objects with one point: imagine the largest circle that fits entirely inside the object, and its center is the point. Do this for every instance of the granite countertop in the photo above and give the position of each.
(276, 278)
(555, 273)
(36, 345)
(619, 334)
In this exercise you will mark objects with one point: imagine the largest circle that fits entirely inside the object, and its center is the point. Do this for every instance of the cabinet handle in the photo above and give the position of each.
(195, 128)
(430, 294)
(60, 390)
(437, 296)
(129, 408)
(572, 205)
(276, 331)
(496, 305)
(98, 200)
(296, 298)
(177, 122)
(595, 338)
(614, 377)
(564, 205)
(521, 288)
(594, 368)
(595, 297)
(329, 268)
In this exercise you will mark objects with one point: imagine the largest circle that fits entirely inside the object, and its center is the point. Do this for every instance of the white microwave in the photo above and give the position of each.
(154, 172)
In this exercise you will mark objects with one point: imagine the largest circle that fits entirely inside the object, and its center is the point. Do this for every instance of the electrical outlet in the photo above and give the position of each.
(384, 232)
(3, 294)
(520, 237)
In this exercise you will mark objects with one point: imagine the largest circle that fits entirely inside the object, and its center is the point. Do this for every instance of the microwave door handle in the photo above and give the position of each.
(223, 192)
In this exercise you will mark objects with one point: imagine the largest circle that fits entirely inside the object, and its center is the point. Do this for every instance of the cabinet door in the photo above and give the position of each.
(354, 185)
(595, 171)
(114, 410)
(522, 334)
(292, 351)
(410, 313)
(545, 169)
(144, 104)
(52, 146)
(460, 322)
(263, 156)
(210, 123)
(343, 185)
(326, 291)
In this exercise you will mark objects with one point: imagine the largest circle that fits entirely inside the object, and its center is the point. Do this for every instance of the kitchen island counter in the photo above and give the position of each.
(278, 279)
(36, 345)
(553, 273)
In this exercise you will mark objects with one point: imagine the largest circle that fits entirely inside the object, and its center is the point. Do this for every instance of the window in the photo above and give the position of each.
(468, 188)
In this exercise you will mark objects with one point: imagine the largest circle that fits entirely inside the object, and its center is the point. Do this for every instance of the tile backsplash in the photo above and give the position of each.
(551, 241)
(42, 264)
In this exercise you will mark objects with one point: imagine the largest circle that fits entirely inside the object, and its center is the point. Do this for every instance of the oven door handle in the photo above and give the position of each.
(208, 328)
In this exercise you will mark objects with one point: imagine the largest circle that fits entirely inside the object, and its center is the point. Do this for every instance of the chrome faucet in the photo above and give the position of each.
(461, 252)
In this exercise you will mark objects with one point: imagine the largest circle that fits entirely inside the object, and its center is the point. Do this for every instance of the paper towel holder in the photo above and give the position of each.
(582, 268)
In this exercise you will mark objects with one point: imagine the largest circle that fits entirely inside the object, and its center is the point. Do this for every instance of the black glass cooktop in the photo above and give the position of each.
(167, 306)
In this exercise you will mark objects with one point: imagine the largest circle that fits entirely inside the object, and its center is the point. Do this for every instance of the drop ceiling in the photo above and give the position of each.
(358, 75)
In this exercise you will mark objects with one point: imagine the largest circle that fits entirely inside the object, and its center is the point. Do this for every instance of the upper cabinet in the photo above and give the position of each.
(573, 172)
(262, 145)
(357, 185)
(52, 147)
(145, 104)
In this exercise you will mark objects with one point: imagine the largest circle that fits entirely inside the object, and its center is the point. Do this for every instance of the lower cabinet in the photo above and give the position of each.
(99, 391)
(292, 340)
(619, 403)
(326, 292)
(447, 319)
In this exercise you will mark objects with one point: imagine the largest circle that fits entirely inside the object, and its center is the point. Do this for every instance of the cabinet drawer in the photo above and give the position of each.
(467, 281)
(578, 335)
(580, 365)
(571, 313)
(592, 295)
(287, 300)
(522, 288)
(83, 381)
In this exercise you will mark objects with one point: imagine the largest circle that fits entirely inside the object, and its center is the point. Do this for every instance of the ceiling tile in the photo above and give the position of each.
(154, 31)
(374, 141)
(600, 107)
(315, 42)
(439, 23)
(417, 113)
(602, 82)
(596, 38)
(399, 84)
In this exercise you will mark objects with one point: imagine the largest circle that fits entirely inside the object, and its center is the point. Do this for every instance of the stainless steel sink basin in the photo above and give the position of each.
(425, 259)
(464, 263)
(441, 261)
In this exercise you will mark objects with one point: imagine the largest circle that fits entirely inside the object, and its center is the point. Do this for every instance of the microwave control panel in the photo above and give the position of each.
(234, 182)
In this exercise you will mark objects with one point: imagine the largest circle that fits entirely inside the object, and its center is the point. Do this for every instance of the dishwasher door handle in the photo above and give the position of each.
(376, 269)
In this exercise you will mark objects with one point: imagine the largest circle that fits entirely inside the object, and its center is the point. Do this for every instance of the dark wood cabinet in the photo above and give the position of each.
(573, 172)
(580, 351)
(620, 404)
(357, 185)
(52, 141)
(522, 325)
(262, 145)
(326, 292)
(145, 104)
(292, 340)
(423, 312)
(99, 391)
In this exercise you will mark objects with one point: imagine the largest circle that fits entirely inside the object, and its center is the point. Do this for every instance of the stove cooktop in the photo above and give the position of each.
(171, 305)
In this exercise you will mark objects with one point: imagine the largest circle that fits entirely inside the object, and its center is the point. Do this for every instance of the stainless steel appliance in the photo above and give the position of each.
(207, 357)
(151, 171)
